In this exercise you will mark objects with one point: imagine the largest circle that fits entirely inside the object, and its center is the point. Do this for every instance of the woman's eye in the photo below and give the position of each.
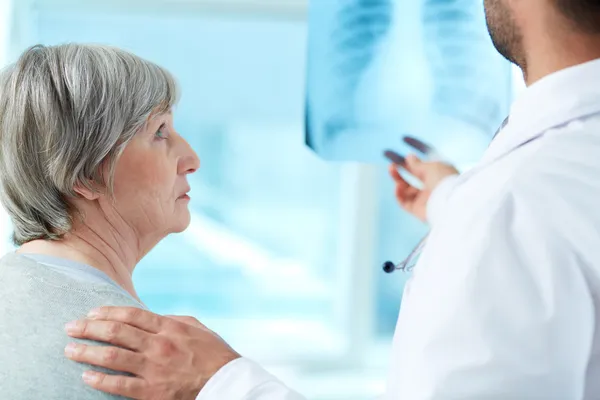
(160, 133)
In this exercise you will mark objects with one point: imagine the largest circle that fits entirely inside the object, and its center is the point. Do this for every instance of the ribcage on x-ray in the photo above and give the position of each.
(360, 26)
(458, 52)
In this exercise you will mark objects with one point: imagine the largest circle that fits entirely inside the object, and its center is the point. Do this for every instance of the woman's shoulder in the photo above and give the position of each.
(26, 281)
(35, 305)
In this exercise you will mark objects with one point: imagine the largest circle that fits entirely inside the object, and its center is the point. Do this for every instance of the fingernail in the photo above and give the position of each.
(90, 377)
(72, 327)
(95, 313)
(71, 349)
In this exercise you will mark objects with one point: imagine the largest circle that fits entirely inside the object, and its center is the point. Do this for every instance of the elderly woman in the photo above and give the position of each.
(93, 175)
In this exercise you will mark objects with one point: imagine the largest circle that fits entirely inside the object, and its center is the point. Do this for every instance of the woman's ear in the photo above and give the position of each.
(86, 192)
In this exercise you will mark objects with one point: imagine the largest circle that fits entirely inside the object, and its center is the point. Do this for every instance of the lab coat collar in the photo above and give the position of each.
(552, 101)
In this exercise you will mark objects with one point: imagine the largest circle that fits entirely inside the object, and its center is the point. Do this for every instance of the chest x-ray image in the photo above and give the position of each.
(379, 70)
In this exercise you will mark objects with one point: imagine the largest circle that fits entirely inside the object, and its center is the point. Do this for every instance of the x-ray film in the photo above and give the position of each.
(379, 70)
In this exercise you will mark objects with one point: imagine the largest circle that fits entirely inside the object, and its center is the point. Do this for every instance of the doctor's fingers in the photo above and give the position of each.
(188, 320)
(417, 167)
(398, 179)
(128, 387)
(406, 195)
(116, 333)
(113, 358)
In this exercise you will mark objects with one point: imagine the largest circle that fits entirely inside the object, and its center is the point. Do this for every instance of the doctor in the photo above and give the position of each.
(504, 303)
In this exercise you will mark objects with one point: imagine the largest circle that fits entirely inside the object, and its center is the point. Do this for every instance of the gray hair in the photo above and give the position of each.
(66, 114)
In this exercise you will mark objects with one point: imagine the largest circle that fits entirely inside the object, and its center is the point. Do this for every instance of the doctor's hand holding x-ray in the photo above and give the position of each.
(430, 173)
(504, 302)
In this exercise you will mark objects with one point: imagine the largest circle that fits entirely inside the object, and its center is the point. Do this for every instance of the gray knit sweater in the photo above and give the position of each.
(35, 304)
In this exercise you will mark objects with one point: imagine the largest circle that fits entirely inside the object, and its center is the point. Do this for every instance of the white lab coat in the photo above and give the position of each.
(504, 301)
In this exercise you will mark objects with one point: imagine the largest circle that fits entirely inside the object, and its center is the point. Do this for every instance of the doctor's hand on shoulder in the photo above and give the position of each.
(430, 173)
(170, 357)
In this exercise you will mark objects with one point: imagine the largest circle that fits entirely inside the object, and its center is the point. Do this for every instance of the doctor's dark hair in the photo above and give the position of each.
(584, 14)
(66, 114)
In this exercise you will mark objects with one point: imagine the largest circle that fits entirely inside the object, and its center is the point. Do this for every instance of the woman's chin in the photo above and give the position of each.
(183, 220)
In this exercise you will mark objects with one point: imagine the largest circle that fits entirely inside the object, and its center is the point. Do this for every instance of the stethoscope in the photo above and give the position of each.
(389, 266)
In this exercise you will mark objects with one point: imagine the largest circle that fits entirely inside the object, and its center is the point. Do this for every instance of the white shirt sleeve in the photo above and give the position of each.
(498, 309)
(439, 198)
(243, 379)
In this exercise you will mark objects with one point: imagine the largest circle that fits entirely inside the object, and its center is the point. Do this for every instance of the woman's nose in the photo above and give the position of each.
(189, 162)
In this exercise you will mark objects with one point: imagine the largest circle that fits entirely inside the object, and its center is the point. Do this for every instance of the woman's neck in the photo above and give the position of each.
(104, 250)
